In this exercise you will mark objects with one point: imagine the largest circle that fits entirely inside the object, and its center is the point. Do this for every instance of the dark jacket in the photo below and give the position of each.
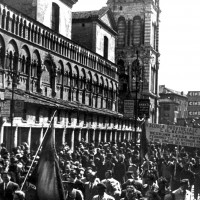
(7, 193)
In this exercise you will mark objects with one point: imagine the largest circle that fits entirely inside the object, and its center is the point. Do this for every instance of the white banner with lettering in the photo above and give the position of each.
(171, 134)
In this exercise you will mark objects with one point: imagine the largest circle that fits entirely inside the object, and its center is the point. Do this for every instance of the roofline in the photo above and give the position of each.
(91, 19)
(70, 2)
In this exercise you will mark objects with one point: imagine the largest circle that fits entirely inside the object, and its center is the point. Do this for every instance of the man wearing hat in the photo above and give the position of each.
(101, 189)
(70, 192)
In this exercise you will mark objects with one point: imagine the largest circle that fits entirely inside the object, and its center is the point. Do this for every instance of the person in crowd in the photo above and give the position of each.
(186, 173)
(7, 187)
(151, 190)
(119, 170)
(91, 184)
(131, 181)
(181, 193)
(163, 187)
(196, 171)
(113, 186)
(102, 195)
(131, 193)
(70, 192)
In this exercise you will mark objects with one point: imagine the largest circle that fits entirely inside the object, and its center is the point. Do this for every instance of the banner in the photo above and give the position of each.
(172, 134)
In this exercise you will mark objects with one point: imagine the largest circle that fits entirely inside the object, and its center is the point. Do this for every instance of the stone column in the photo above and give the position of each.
(72, 139)
(115, 136)
(105, 136)
(87, 136)
(29, 138)
(1, 134)
(41, 136)
(111, 133)
(99, 136)
(15, 136)
(79, 136)
(120, 136)
(63, 135)
(93, 135)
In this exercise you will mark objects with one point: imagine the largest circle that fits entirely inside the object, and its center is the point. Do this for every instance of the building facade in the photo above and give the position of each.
(43, 71)
(137, 51)
(173, 106)
(96, 30)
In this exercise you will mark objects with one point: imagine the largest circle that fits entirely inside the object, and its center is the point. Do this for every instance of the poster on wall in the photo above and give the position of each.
(172, 134)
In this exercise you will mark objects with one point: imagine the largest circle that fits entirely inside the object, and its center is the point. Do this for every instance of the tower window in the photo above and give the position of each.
(105, 51)
(120, 8)
(55, 17)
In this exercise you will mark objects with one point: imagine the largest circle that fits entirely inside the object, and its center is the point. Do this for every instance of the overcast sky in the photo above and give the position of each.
(179, 42)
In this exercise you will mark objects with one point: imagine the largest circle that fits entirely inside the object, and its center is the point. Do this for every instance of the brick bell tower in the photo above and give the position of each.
(137, 51)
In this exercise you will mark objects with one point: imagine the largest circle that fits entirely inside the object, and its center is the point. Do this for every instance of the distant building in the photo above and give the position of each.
(137, 51)
(172, 105)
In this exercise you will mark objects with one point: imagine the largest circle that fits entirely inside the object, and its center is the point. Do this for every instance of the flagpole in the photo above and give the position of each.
(38, 150)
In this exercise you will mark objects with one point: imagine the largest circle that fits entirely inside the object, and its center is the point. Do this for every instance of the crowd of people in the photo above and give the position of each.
(108, 171)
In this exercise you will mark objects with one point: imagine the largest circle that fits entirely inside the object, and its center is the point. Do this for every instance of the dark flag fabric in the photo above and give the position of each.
(144, 142)
(48, 178)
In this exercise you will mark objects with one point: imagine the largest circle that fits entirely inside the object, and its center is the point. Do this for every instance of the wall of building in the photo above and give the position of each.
(100, 33)
(53, 73)
(41, 11)
(27, 7)
(82, 33)
(44, 13)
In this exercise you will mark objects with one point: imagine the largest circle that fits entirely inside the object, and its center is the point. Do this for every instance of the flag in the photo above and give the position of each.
(143, 142)
(48, 178)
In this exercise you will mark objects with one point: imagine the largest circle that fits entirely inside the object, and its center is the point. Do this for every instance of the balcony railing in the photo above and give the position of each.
(28, 29)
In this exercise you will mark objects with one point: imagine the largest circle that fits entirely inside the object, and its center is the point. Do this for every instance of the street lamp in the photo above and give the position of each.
(13, 76)
(137, 72)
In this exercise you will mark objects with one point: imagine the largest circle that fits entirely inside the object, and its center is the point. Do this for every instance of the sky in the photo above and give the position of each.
(179, 42)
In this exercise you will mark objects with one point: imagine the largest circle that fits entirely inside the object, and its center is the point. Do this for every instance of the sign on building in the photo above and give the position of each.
(129, 108)
(18, 108)
(193, 104)
(143, 107)
(171, 134)
(5, 109)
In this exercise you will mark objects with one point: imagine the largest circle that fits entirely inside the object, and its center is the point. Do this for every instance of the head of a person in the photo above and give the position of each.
(73, 173)
(184, 184)
(91, 175)
(162, 182)
(108, 174)
(101, 188)
(6, 176)
(150, 179)
(130, 192)
(68, 184)
(18, 195)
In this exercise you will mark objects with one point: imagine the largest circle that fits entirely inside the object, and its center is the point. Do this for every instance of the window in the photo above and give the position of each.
(121, 31)
(58, 116)
(105, 50)
(55, 17)
(137, 30)
(154, 32)
(120, 8)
